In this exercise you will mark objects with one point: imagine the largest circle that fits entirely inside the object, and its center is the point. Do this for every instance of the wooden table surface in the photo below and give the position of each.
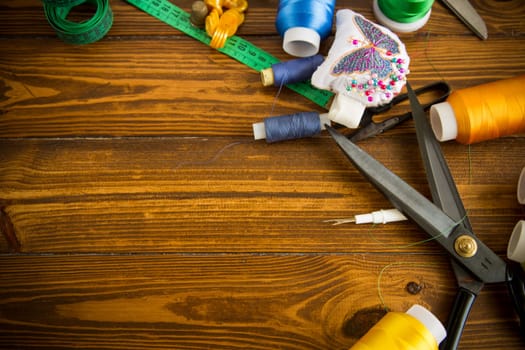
(137, 212)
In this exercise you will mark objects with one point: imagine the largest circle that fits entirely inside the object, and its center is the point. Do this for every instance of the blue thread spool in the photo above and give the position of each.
(290, 127)
(303, 24)
(289, 72)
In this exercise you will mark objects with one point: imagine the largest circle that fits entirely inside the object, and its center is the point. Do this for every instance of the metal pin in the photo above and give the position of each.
(340, 221)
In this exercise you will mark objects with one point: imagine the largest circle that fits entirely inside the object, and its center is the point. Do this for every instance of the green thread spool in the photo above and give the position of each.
(83, 32)
(403, 15)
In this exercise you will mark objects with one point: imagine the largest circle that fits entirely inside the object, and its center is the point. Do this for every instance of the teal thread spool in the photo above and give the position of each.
(403, 16)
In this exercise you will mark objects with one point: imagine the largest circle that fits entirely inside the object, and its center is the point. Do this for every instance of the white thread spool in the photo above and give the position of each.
(520, 193)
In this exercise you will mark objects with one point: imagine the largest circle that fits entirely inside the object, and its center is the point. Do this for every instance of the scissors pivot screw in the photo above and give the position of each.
(465, 246)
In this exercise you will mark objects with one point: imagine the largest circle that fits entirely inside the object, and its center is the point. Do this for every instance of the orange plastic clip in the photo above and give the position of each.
(222, 25)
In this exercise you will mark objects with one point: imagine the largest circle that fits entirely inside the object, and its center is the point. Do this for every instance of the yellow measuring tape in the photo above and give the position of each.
(235, 47)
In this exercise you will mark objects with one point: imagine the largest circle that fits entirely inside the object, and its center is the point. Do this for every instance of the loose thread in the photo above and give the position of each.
(427, 42)
(413, 244)
(379, 292)
(380, 276)
(369, 232)
(469, 158)
(215, 156)
(276, 98)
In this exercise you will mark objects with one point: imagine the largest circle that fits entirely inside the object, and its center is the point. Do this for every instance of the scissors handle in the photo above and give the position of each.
(516, 284)
(457, 319)
(369, 128)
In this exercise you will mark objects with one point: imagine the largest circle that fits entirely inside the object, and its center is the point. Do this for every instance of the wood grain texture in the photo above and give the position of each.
(117, 87)
(223, 302)
(137, 212)
(120, 89)
(210, 195)
(26, 18)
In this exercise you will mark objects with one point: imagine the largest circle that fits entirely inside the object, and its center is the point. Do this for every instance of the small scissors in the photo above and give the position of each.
(368, 128)
(444, 219)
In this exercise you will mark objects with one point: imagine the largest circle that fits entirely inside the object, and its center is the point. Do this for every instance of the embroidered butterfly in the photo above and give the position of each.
(369, 57)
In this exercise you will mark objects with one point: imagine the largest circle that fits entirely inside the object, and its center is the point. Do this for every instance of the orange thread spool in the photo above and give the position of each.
(481, 112)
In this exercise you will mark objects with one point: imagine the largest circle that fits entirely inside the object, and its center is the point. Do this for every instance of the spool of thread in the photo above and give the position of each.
(516, 246)
(403, 15)
(290, 127)
(303, 24)
(417, 329)
(520, 193)
(481, 112)
(289, 72)
(346, 111)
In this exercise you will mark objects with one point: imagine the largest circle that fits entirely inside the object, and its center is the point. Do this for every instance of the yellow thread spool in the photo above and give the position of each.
(481, 112)
(417, 329)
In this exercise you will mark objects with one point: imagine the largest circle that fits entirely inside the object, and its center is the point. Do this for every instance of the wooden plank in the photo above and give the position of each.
(229, 301)
(8, 239)
(4, 246)
(120, 89)
(27, 18)
(235, 195)
(145, 217)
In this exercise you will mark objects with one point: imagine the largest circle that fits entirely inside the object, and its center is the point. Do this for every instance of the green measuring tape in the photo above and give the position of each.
(83, 32)
(235, 47)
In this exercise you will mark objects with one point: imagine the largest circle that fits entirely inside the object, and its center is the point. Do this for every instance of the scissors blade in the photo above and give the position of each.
(485, 264)
(442, 186)
(446, 196)
(468, 15)
(402, 195)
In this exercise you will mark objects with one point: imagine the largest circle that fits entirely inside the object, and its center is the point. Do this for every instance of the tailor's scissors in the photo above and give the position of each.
(369, 128)
(445, 220)
(468, 15)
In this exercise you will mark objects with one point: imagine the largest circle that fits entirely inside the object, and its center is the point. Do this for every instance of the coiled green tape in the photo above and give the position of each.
(79, 33)
(235, 47)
